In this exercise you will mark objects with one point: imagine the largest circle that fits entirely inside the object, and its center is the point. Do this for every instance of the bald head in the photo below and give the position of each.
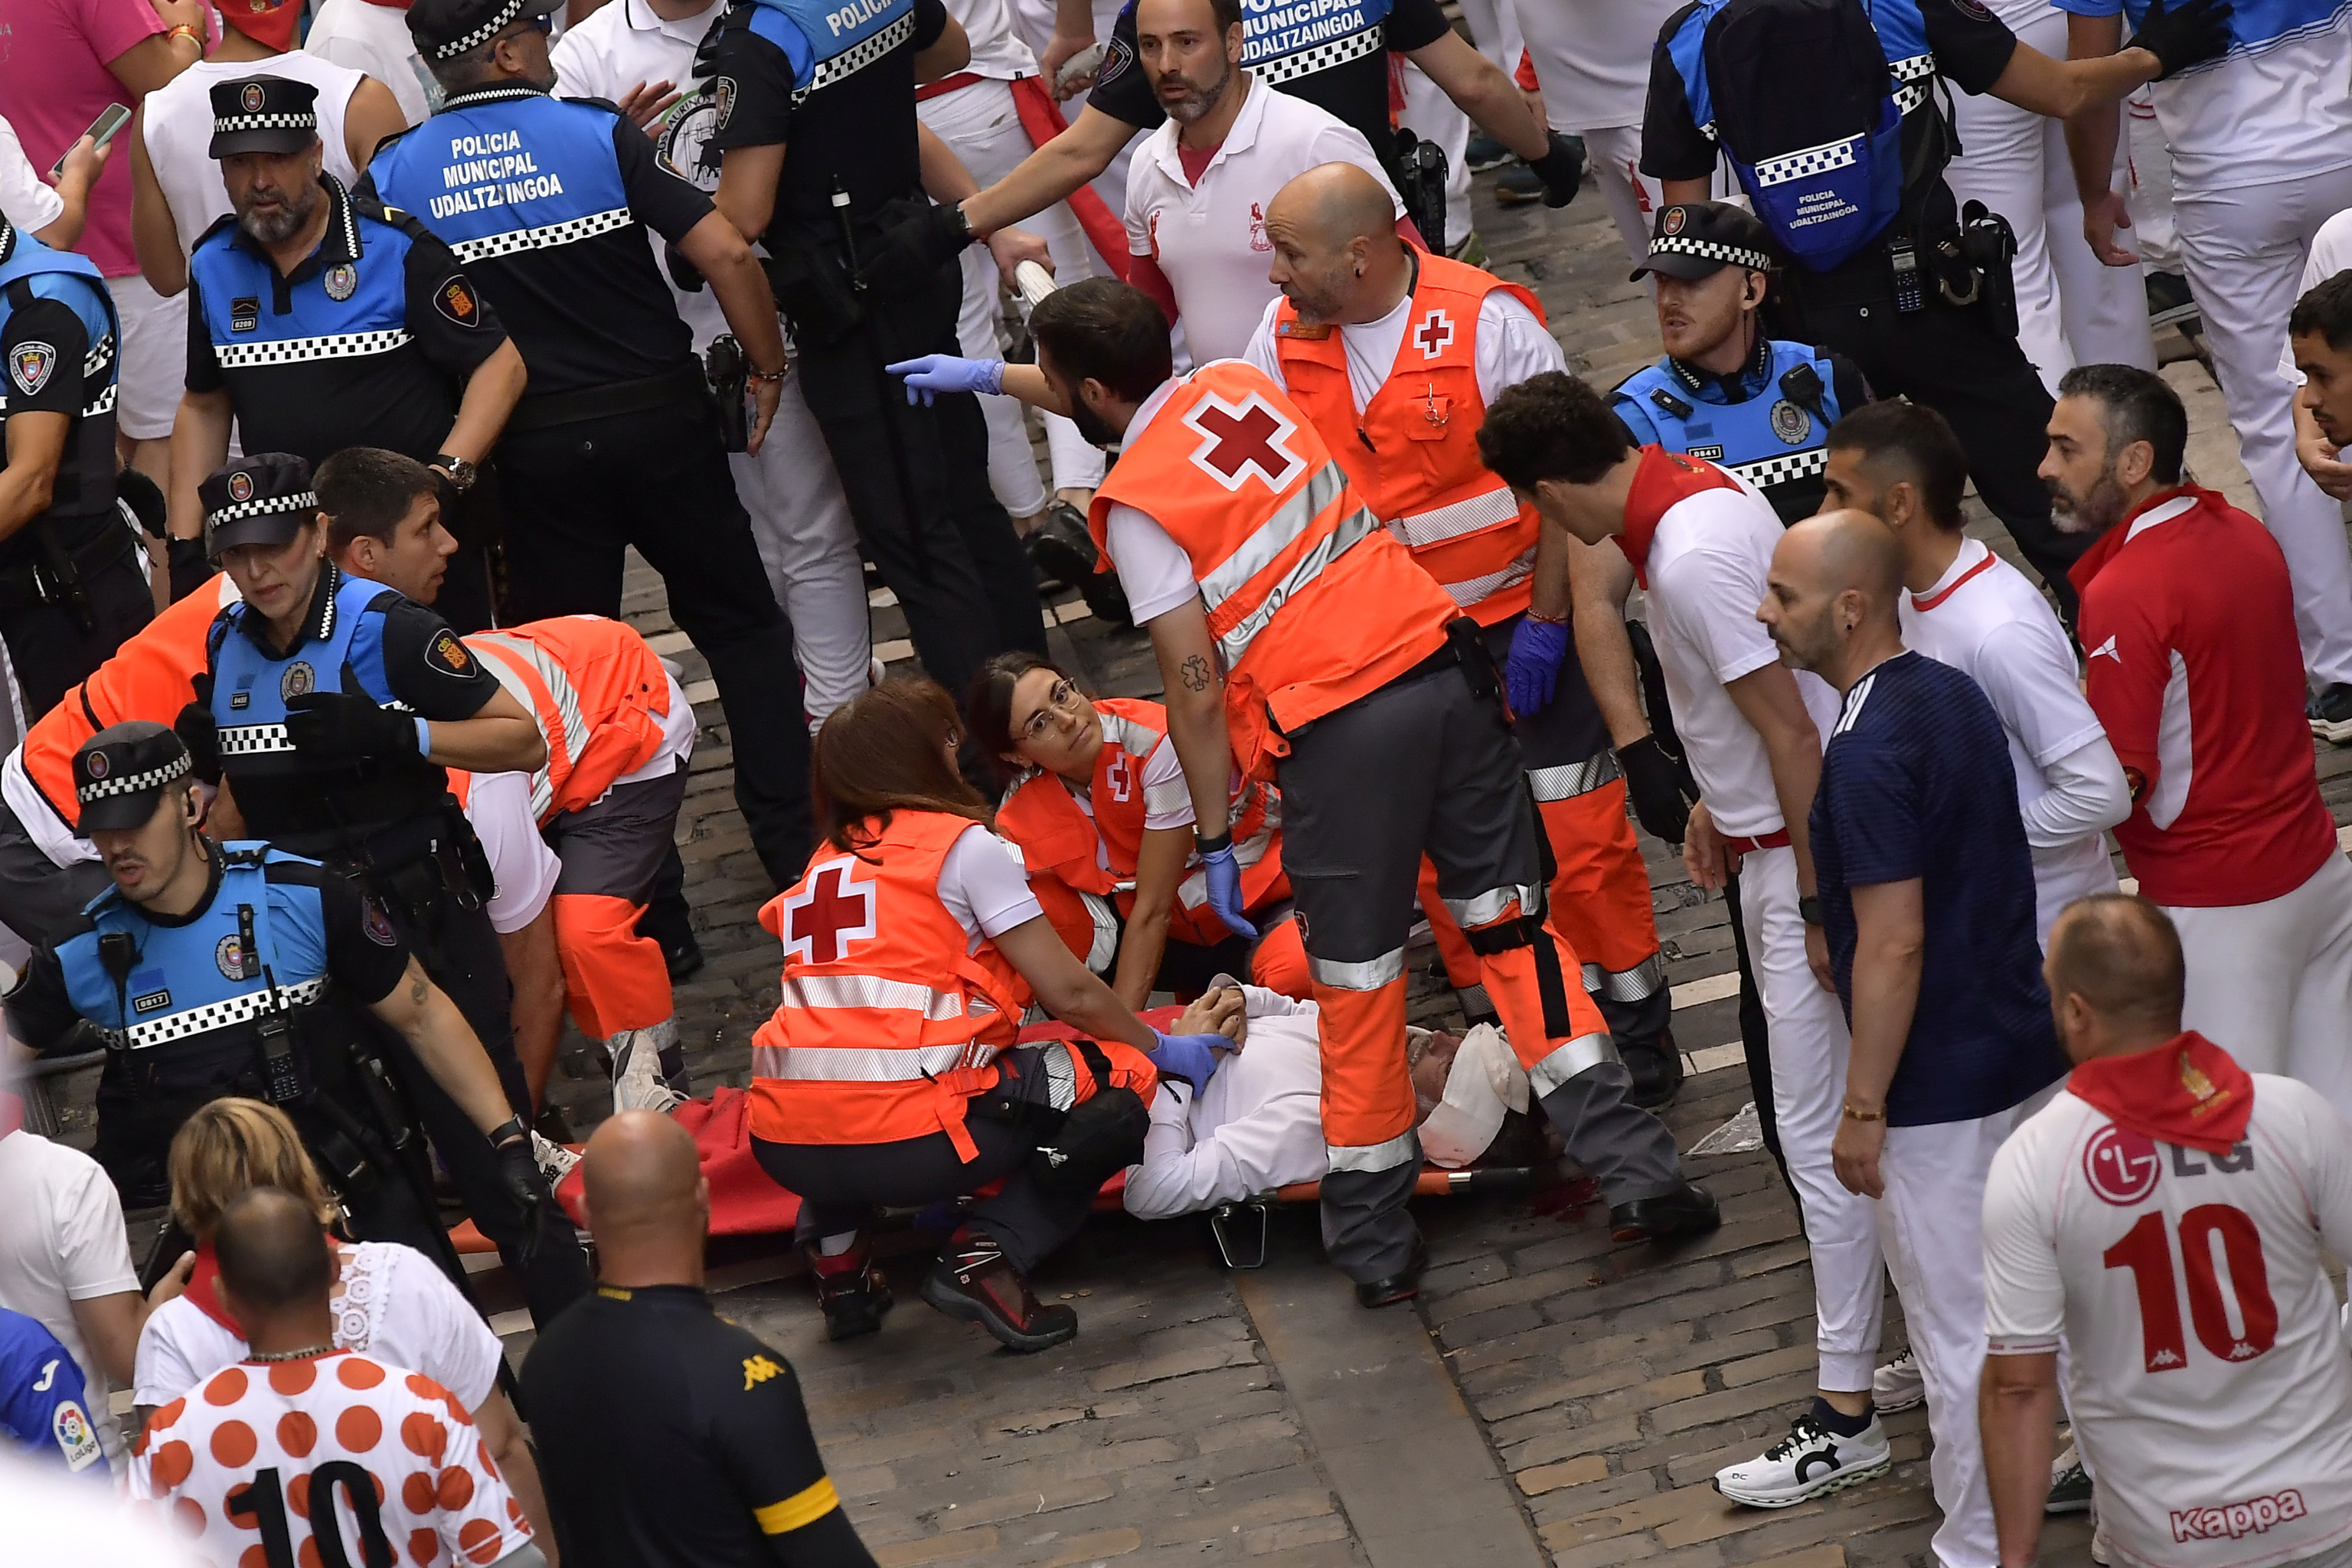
(1857, 551)
(1336, 251)
(1831, 594)
(2116, 975)
(1336, 203)
(641, 1169)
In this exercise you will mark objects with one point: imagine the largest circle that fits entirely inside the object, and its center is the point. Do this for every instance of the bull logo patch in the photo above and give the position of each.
(252, 98)
(1790, 423)
(30, 365)
(300, 679)
(341, 281)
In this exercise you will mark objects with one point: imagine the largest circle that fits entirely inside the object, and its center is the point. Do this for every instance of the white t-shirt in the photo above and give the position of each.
(2207, 1377)
(1512, 345)
(984, 885)
(2276, 108)
(375, 39)
(1708, 560)
(177, 123)
(26, 200)
(1593, 57)
(997, 52)
(1209, 239)
(390, 1302)
(2331, 253)
(64, 1243)
(1256, 1127)
(1985, 620)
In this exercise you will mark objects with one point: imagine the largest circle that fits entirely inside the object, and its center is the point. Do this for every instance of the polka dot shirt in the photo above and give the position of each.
(259, 1462)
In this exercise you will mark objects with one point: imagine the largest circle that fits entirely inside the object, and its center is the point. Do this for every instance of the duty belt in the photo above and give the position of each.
(683, 385)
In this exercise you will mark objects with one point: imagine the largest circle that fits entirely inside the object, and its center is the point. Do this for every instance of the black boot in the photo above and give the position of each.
(974, 1281)
(1656, 1067)
(850, 1289)
(1685, 1211)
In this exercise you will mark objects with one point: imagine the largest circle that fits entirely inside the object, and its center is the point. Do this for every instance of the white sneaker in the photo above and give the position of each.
(1812, 1461)
(555, 1162)
(637, 1083)
(1898, 1385)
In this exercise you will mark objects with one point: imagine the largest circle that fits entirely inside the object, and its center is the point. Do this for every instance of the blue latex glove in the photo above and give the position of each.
(1532, 672)
(1190, 1057)
(1225, 874)
(931, 374)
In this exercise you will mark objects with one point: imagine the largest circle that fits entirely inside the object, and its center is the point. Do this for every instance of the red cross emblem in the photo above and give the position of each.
(1436, 332)
(827, 914)
(1239, 437)
(1121, 778)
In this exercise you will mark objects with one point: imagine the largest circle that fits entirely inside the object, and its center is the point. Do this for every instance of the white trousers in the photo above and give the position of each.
(1431, 115)
(2149, 194)
(981, 123)
(154, 368)
(2271, 982)
(809, 545)
(1931, 1222)
(1495, 31)
(2245, 251)
(2071, 308)
(1809, 1044)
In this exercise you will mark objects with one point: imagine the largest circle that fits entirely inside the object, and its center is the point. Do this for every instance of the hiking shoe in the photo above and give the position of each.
(972, 1281)
(851, 1289)
(638, 1082)
(1812, 1461)
(1899, 1385)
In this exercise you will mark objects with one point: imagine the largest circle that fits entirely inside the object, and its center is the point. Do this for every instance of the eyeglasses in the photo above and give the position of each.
(1064, 697)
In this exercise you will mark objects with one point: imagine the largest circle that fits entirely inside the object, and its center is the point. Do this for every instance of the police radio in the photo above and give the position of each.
(1910, 286)
(281, 1071)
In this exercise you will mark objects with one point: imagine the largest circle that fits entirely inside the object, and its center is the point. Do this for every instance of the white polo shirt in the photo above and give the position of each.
(177, 123)
(1706, 567)
(1209, 239)
(1512, 345)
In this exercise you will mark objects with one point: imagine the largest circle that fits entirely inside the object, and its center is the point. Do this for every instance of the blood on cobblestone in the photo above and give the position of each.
(1567, 1201)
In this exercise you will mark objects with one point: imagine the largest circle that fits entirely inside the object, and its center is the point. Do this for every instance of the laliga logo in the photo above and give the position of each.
(2234, 1519)
(2120, 1165)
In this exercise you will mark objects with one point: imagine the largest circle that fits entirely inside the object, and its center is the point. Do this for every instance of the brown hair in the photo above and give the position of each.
(881, 751)
(230, 1146)
(366, 490)
(989, 710)
(2121, 954)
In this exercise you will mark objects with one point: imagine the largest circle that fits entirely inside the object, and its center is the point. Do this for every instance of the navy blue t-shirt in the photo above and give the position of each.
(1916, 783)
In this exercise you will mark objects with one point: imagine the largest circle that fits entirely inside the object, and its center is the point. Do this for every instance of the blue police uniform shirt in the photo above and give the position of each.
(1752, 423)
(368, 342)
(44, 1410)
(359, 637)
(58, 339)
(545, 202)
(1917, 785)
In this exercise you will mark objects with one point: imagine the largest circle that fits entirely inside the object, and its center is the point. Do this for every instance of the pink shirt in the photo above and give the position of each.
(54, 80)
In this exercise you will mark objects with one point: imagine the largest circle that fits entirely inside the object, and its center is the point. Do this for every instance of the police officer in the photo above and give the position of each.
(319, 321)
(331, 708)
(1885, 271)
(819, 157)
(1750, 404)
(72, 582)
(210, 969)
(617, 443)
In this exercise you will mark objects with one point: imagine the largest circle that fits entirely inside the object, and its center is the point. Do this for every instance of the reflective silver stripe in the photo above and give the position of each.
(245, 740)
(858, 58)
(1061, 1075)
(1402, 1149)
(1126, 734)
(1580, 1055)
(1369, 975)
(1779, 470)
(1422, 528)
(288, 350)
(1478, 590)
(503, 653)
(1357, 526)
(547, 236)
(1573, 779)
(821, 991)
(859, 1064)
(1275, 535)
(1104, 946)
(1485, 909)
(152, 1031)
(1627, 984)
(1321, 57)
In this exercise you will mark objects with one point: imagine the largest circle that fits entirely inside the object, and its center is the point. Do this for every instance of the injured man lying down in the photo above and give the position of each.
(1256, 1125)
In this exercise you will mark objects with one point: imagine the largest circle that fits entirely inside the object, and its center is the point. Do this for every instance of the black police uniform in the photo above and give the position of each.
(368, 342)
(669, 1438)
(615, 443)
(1961, 362)
(916, 477)
(73, 582)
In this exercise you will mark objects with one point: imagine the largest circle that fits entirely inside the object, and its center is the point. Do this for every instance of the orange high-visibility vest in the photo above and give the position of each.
(1412, 453)
(598, 693)
(1310, 601)
(1055, 835)
(152, 676)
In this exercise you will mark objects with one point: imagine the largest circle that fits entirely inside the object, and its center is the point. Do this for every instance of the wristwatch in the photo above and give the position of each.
(1808, 909)
(462, 474)
(959, 220)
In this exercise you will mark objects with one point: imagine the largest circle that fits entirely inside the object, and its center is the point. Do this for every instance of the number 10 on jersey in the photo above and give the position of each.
(2147, 1250)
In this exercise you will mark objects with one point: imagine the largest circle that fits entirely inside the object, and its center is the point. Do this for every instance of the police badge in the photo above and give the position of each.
(240, 486)
(299, 679)
(1790, 423)
(341, 281)
(252, 98)
(30, 365)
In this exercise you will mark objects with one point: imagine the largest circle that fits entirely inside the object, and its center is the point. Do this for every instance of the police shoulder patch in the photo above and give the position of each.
(377, 925)
(30, 365)
(446, 654)
(456, 299)
(1115, 61)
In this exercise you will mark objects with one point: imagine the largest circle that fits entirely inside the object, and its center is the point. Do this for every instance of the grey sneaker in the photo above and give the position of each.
(1898, 1385)
(638, 1082)
(2330, 712)
(2070, 1484)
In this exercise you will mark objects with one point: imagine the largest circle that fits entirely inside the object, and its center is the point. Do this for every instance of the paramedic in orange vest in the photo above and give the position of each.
(888, 1074)
(1297, 639)
(1394, 355)
(1095, 799)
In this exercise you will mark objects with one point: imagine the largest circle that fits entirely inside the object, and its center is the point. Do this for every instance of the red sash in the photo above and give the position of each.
(1042, 117)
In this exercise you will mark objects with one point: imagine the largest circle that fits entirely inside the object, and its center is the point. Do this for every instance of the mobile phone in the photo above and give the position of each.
(101, 131)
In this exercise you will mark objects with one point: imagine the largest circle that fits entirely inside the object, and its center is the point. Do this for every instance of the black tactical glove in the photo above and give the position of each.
(2196, 32)
(1655, 787)
(337, 727)
(190, 568)
(200, 733)
(914, 249)
(1561, 169)
(525, 1182)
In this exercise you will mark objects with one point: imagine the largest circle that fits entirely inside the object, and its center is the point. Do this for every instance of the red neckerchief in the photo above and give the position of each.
(2094, 559)
(1663, 479)
(2187, 1091)
(199, 1289)
(12, 1113)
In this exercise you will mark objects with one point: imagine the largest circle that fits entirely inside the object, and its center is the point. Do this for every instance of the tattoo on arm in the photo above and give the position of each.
(419, 988)
(1195, 673)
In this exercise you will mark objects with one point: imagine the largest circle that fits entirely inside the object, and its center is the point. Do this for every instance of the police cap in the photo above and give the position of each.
(263, 114)
(1697, 240)
(263, 498)
(120, 772)
(443, 29)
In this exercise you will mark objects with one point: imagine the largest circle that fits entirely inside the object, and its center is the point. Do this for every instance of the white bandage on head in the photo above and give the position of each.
(1485, 1082)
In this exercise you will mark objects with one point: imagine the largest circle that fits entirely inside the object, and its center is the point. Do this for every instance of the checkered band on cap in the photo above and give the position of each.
(237, 124)
(482, 35)
(131, 784)
(1708, 250)
(301, 500)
